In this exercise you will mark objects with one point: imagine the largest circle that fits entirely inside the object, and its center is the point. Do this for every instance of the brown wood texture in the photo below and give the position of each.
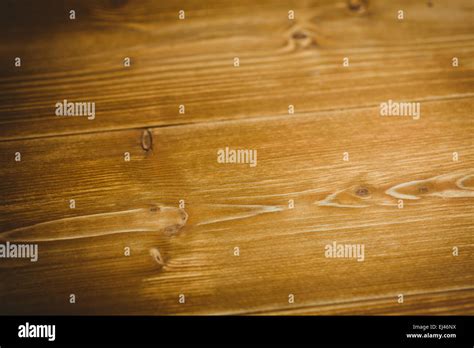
(190, 250)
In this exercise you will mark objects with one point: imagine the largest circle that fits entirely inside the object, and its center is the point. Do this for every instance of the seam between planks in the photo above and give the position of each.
(299, 115)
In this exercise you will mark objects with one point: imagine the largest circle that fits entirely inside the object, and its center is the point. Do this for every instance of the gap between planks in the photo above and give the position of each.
(232, 121)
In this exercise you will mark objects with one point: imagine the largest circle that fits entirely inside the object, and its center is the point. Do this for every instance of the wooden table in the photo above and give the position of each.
(172, 230)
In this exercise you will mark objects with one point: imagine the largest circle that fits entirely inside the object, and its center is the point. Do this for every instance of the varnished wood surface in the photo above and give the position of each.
(300, 157)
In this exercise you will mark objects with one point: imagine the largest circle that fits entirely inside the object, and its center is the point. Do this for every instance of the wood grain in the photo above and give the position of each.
(190, 250)
(190, 62)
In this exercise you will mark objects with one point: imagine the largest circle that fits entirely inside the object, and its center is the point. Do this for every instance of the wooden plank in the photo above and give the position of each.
(190, 62)
(456, 302)
(282, 251)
